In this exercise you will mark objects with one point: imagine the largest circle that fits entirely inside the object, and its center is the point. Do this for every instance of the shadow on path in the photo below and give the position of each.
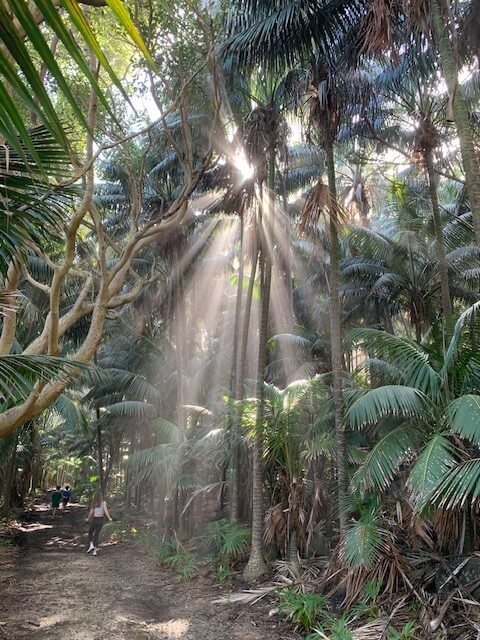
(52, 590)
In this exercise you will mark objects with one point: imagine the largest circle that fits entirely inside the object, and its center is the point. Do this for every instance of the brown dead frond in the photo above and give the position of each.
(378, 29)
(318, 203)
(418, 15)
(390, 571)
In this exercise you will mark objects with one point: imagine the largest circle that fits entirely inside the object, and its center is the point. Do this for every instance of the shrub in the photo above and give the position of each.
(227, 540)
(304, 609)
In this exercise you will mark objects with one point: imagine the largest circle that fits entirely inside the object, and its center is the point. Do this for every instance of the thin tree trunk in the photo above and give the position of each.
(179, 356)
(239, 391)
(100, 456)
(446, 44)
(336, 341)
(437, 223)
(233, 426)
(256, 565)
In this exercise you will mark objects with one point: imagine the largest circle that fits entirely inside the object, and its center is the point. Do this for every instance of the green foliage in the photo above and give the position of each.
(168, 551)
(223, 573)
(365, 540)
(407, 632)
(303, 609)
(21, 68)
(228, 541)
(184, 563)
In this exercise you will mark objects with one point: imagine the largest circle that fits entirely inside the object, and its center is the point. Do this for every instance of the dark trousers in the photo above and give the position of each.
(97, 524)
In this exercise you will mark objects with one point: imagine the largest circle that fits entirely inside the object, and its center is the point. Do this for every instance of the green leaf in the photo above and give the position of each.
(365, 541)
(432, 464)
(381, 463)
(459, 484)
(392, 400)
(467, 318)
(19, 373)
(79, 20)
(118, 8)
(407, 356)
(464, 416)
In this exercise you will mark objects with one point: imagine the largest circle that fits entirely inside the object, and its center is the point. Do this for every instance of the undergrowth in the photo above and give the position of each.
(310, 613)
(222, 542)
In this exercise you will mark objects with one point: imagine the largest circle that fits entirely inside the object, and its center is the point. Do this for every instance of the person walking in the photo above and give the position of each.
(56, 497)
(66, 495)
(97, 515)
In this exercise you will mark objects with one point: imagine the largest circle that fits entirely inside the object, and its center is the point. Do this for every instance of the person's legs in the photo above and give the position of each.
(91, 532)
(98, 526)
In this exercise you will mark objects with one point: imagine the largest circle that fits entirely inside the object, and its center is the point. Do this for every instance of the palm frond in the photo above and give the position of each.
(458, 485)
(391, 400)
(464, 416)
(381, 463)
(406, 355)
(431, 466)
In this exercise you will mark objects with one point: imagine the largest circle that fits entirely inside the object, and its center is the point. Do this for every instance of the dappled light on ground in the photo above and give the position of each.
(52, 590)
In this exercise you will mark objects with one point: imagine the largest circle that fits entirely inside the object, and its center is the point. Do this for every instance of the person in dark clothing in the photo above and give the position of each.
(97, 515)
(56, 497)
(66, 495)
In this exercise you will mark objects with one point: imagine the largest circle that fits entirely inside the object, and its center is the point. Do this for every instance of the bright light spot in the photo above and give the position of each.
(171, 629)
(242, 164)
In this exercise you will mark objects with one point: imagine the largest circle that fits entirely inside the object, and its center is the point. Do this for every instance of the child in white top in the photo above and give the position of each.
(97, 515)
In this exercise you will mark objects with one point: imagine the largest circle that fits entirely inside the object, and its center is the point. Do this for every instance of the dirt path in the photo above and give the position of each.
(51, 590)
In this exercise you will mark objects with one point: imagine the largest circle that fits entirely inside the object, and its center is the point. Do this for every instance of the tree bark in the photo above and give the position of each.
(437, 223)
(233, 430)
(336, 340)
(256, 565)
(445, 39)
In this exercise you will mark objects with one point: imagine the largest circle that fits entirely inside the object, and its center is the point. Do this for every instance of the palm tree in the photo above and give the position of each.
(396, 274)
(423, 416)
(296, 438)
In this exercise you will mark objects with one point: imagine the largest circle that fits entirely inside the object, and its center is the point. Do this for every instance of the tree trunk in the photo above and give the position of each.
(445, 40)
(437, 223)
(336, 341)
(239, 390)
(233, 425)
(256, 565)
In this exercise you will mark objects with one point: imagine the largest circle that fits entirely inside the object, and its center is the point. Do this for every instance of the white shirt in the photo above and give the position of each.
(99, 512)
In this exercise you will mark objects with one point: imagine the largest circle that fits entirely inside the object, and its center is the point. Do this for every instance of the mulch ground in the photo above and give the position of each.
(52, 590)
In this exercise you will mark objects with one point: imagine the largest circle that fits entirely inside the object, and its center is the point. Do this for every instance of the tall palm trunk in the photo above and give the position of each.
(445, 38)
(336, 340)
(239, 390)
(179, 358)
(437, 223)
(256, 565)
(234, 461)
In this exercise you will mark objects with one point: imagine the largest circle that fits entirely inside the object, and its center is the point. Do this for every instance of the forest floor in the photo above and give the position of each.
(50, 589)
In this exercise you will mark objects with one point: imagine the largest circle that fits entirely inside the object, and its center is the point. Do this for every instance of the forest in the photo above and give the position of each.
(240, 304)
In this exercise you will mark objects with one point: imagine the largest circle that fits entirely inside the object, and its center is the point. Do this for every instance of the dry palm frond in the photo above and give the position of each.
(318, 202)
(275, 529)
(249, 596)
(378, 29)
(390, 571)
(418, 14)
